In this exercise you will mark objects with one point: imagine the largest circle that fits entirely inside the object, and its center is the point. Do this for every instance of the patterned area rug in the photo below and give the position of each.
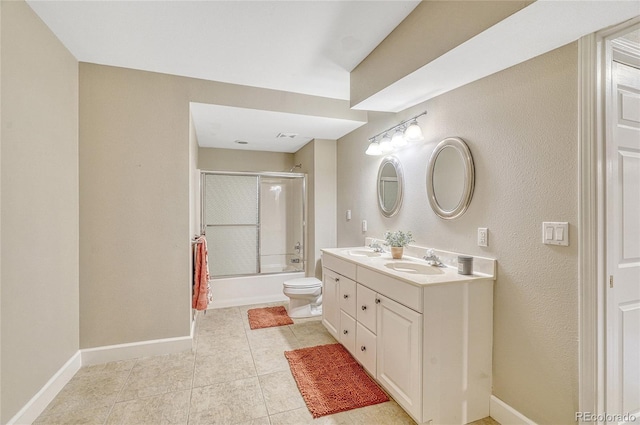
(268, 317)
(331, 381)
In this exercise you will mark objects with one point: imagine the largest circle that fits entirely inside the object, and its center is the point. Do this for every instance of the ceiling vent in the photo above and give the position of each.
(286, 136)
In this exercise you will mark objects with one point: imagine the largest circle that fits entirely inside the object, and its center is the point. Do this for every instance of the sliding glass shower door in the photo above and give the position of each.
(231, 218)
(281, 224)
(254, 222)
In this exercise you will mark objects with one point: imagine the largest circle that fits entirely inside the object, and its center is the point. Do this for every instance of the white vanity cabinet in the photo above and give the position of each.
(389, 337)
(330, 306)
(399, 353)
(428, 344)
(338, 294)
(382, 334)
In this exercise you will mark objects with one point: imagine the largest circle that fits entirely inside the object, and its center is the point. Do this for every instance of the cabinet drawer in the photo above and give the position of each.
(366, 348)
(366, 307)
(347, 297)
(400, 291)
(348, 332)
(339, 265)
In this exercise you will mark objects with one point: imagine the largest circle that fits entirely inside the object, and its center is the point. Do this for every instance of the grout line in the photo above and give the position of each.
(196, 334)
(264, 400)
(115, 401)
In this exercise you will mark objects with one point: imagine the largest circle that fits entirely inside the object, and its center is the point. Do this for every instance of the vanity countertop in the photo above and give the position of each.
(409, 269)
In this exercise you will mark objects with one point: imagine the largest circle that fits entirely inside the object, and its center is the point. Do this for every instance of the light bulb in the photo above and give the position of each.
(374, 149)
(413, 133)
(398, 140)
(385, 144)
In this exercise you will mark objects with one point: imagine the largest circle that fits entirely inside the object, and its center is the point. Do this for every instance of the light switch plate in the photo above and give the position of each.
(555, 233)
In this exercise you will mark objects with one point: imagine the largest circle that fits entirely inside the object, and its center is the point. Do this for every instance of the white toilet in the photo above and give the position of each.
(305, 297)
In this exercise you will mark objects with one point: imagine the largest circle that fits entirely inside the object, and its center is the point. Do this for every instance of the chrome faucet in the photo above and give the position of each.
(433, 259)
(376, 247)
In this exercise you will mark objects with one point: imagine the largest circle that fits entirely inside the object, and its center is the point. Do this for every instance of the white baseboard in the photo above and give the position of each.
(48, 392)
(507, 415)
(34, 407)
(235, 302)
(134, 350)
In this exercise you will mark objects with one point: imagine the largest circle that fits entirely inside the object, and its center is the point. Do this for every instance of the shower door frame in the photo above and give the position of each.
(259, 175)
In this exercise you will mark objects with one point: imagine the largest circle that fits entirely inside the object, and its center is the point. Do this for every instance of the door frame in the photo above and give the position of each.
(594, 62)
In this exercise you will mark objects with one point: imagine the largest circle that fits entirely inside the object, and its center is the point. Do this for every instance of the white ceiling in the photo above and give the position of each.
(303, 46)
(221, 126)
(306, 47)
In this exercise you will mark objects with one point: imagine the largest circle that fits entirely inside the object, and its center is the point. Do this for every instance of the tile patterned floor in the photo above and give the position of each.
(234, 376)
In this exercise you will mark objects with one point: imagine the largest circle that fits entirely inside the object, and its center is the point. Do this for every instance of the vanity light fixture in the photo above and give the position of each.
(413, 133)
(374, 148)
(399, 140)
(408, 131)
(385, 144)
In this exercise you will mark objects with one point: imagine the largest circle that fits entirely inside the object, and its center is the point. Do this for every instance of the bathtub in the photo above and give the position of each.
(254, 289)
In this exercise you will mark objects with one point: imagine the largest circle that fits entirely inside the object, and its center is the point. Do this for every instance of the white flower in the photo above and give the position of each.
(398, 238)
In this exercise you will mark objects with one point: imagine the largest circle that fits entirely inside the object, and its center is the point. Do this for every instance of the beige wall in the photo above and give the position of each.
(134, 207)
(194, 181)
(212, 159)
(39, 217)
(521, 127)
(134, 195)
(429, 31)
(325, 187)
(318, 159)
(305, 156)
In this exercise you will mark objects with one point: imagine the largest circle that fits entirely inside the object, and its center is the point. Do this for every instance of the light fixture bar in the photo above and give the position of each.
(397, 125)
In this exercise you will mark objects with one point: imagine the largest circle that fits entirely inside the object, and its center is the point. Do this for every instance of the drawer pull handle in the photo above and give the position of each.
(345, 296)
(364, 307)
(378, 300)
(345, 331)
(337, 279)
(363, 348)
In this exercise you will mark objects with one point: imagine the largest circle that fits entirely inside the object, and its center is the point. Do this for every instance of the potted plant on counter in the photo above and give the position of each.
(397, 241)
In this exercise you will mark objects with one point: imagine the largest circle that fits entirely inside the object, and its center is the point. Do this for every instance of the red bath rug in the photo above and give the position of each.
(267, 317)
(331, 381)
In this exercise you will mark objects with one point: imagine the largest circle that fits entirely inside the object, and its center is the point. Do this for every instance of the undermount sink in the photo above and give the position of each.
(413, 268)
(361, 253)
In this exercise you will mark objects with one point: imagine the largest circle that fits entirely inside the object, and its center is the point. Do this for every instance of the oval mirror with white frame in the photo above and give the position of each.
(390, 186)
(450, 178)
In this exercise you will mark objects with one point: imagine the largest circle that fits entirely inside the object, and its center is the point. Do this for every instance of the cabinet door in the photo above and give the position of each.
(366, 348)
(330, 306)
(366, 307)
(399, 349)
(347, 298)
(348, 332)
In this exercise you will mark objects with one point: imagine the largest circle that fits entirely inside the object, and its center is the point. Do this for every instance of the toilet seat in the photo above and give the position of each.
(303, 283)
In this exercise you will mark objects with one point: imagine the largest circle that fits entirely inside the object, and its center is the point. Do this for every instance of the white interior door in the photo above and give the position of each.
(623, 244)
